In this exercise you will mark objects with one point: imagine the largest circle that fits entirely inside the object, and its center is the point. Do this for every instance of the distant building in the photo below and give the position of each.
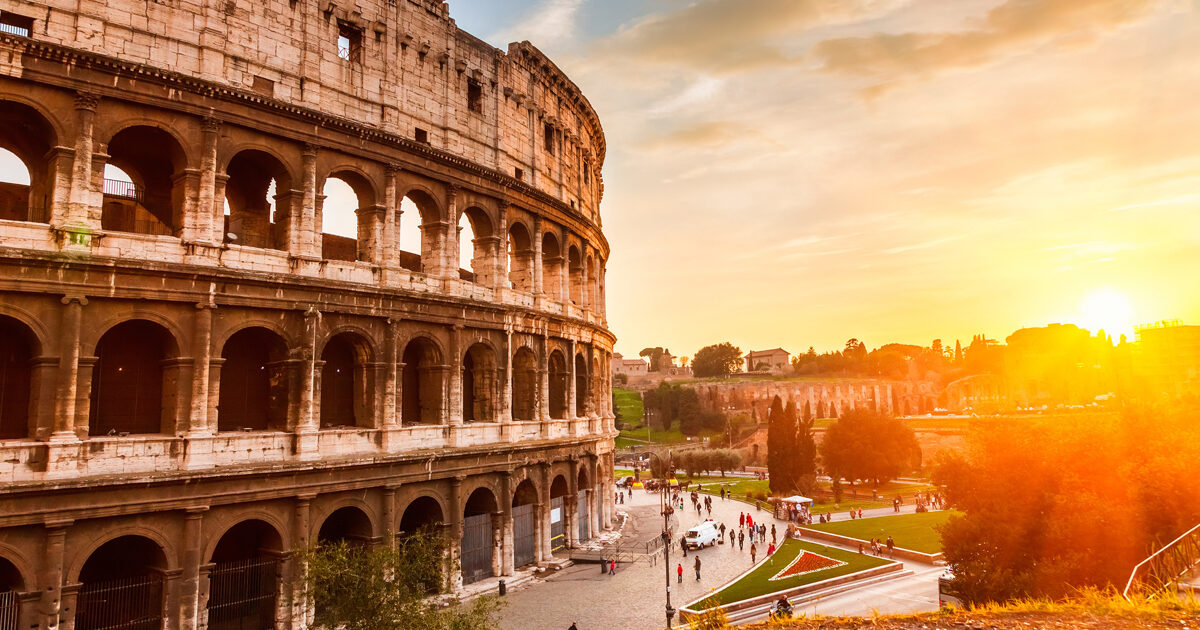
(631, 368)
(1168, 356)
(775, 361)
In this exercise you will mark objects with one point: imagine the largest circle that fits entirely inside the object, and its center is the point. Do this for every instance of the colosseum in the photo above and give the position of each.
(199, 376)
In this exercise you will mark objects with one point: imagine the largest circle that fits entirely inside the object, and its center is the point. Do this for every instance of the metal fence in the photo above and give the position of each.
(1166, 566)
(477, 548)
(558, 524)
(134, 603)
(242, 594)
(10, 607)
(118, 188)
(524, 534)
(581, 511)
(13, 29)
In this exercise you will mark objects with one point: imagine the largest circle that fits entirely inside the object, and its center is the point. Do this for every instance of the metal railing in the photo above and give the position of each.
(118, 188)
(13, 29)
(243, 594)
(134, 603)
(1166, 566)
(9, 609)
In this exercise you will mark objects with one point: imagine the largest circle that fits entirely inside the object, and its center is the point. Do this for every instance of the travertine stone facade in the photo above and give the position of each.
(196, 381)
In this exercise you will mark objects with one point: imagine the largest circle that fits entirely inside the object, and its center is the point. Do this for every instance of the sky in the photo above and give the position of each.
(796, 173)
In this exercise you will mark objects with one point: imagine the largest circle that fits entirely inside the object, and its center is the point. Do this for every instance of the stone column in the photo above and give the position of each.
(299, 571)
(456, 530)
(199, 423)
(389, 515)
(453, 233)
(571, 503)
(50, 576)
(391, 220)
(78, 220)
(391, 382)
(193, 543)
(68, 370)
(543, 544)
(307, 423)
(370, 233)
(43, 389)
(304, 231)
(572, 408)
(209, 207)
(506, 520)
(454, 405)
(506, 376)
(538, 286)
(62, 161)
(543, 413)
(500, 279)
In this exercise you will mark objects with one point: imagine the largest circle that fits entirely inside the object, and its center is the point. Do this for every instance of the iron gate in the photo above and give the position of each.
(242, 594)
(524, 534)
(558, 524)
(581, 515)
(9, 608)
(134, 603)
(477, 548)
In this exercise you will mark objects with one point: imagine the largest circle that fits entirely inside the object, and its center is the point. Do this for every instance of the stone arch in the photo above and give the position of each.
(582, 480)
(16, 572)
(243, 583)
(583, 379)
(254, 381)
(30, 134)
(422, 511)
(349, 523)
(346, 231)
(347, 381)
(179, 337)
(559, 487)
(273, 326)
(422, 382)
(122, 582)
(479, 376)
(154, 158)
(477, 245)
(131, 380)
(576, 274)
(552, 266)
(418, 246)
(19, 347)
(557, 373)
(525, 493)
(520, 257)
(525, 384)
(253, 215)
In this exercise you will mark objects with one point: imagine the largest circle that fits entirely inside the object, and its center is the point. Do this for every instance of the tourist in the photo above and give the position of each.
(741, 540)
(741, 520)
(770, 551)
(749, 520)
(679, 572)
(891, 545)
(722, 528)
(697, 567)
(612, 566)
(859, 512)
(860, 549)
(753, 552)
(683, 545)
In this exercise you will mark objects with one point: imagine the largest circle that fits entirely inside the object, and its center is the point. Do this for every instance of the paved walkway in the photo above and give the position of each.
(633, 599)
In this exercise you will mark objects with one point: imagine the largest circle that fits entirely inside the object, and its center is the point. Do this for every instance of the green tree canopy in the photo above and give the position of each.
(781, 446)
(721, 359)
(870, 446)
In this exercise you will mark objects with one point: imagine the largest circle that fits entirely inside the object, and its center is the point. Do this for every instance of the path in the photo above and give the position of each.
(633, 598)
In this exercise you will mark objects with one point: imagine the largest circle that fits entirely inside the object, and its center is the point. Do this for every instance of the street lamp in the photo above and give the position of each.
(666, 509)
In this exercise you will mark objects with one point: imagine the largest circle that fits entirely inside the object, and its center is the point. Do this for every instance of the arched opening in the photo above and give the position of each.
(425, 515)
(345, 382)
(476, 247)
(150, 199)
(18, 347)
(417, 245)
(347, 524)
(575, 262)
(128, 393)
(479, 384)
(254, 384)
(582, 386)
(121, 586)
(243, 585)
(422, 383)
(524, 385)
(558, 386)
(583, 507)
(558, 513)
(26, 164)
(552, 266)
(520, 258)
(525, 525)
(479, 536)
(258, 195)
(11, 586)
(347, 210)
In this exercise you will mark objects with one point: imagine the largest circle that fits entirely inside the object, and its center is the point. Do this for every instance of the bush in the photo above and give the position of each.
(749, 495)
(760, 495)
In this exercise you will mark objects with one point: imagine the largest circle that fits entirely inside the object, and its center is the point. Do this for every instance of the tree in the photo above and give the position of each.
(870, 446)
(386, 587)
(804, 464)
(781, 439)
(1051, 505)
(721, 359)
(655, 356)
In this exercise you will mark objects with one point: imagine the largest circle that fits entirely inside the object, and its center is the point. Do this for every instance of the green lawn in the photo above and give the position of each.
(629, 405)
(758, 582)
(917, 532)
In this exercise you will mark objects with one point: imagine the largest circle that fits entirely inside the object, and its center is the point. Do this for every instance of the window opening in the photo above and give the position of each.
(549, 137)
(349, 42)
(421, 136)
(14, 24)
(474, 96)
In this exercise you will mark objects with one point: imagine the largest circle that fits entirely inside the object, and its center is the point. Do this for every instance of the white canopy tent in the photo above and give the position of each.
(797, 499)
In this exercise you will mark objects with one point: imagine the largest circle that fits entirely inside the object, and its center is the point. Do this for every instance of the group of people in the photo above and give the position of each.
(695, 565)
(878, 546)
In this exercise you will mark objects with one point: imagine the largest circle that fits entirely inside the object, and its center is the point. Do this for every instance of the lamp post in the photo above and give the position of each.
(667, 468)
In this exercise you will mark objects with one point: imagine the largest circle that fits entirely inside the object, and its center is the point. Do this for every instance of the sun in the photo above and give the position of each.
(1108, 310)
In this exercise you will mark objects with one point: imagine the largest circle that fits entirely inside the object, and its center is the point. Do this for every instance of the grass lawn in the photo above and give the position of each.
(629, 405)
(758, 582)
(910, 531)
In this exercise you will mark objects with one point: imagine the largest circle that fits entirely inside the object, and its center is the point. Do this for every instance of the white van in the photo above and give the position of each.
(703, 535)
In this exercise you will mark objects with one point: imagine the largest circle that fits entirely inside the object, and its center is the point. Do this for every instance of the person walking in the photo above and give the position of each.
(612, 566)
(741, 540)
(697, 567)
(679, 572)
(683, 545)
(753, 552)
(891, 545)
(772, 532)
(722, 530)
(741, 520)
(770, 552)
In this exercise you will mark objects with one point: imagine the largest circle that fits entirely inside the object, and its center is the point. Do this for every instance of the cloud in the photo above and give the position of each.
(549, 24)
(1015, 25)
(726, 36)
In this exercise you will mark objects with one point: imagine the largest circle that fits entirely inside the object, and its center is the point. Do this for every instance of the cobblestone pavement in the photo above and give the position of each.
(634, 598)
